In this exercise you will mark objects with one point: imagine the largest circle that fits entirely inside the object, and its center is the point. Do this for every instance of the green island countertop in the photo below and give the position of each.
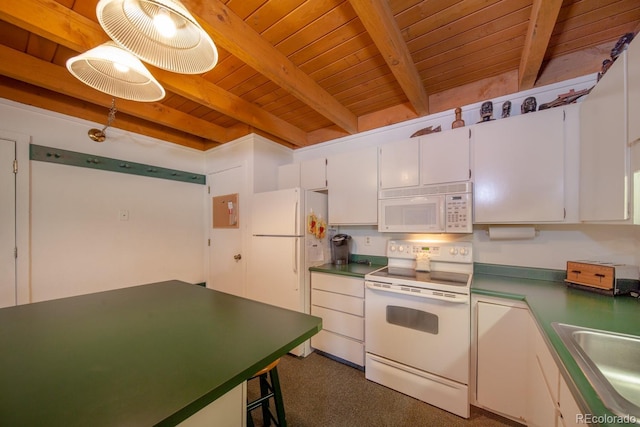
(144, 355)
(550, 300)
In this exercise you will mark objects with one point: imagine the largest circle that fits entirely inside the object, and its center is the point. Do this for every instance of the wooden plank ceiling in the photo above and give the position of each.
(301, 72)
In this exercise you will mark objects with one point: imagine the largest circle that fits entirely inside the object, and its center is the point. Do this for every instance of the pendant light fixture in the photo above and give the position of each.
(99, 135)
(113, 70)
(160, 32)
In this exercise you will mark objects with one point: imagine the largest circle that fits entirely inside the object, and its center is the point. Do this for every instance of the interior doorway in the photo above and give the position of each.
(8, 226)
(227, 259)
(15, 284)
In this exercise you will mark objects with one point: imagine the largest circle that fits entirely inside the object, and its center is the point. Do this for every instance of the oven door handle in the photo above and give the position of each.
(437, 295)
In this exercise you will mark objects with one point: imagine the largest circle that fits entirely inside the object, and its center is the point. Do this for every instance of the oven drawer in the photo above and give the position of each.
(344, 303)
(339, 346)
(341, 323)
(339, 284)
(441, 392)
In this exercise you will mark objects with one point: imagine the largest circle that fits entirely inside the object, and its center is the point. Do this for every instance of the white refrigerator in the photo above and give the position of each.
(285, 242)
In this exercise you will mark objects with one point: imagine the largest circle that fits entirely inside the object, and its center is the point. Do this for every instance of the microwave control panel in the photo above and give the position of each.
(458, 213)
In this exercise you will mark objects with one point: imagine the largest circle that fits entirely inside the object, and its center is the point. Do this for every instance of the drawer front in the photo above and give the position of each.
(599, 276)
(339, 302)
(337, 345)
(341, 323)
(340, 284)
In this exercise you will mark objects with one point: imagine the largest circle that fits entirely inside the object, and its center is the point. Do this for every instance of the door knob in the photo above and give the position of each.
(237, 257)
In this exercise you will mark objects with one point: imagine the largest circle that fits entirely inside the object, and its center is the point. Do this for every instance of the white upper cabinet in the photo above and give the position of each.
(400, 164)
(633, 88)
(289, 176)
(604, 162)
(313, 174)
(444, 157)
(518, 168)
(353, 187)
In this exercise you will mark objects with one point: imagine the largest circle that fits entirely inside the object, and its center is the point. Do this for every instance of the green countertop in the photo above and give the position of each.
(355, 270)
(139, 356)
(550, 300)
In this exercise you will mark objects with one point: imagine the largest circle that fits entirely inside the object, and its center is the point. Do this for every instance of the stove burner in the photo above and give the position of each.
(422, 277)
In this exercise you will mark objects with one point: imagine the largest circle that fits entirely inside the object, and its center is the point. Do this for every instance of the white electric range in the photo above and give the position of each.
(417, 322)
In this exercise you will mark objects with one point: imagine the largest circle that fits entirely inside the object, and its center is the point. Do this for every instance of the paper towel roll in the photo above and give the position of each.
(511, 233)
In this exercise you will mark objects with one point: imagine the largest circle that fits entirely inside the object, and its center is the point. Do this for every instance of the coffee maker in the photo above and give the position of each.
(340, 249)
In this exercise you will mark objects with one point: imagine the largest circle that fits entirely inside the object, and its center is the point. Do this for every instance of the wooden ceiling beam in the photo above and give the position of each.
(42, 98)
(378, 19)
(55, 22)
(203, 92)
(49, 19)
(23, 67)
(56, 79)
(544, 15)
(230, 32)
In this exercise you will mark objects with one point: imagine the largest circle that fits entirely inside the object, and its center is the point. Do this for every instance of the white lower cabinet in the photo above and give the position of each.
(543, 382)
(516, 375)
(570, 414)
(501, 358)
(339, 301)
(229, 410)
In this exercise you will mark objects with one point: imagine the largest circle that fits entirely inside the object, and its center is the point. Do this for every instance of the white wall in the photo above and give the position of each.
(78, 243)
(552, 247)
(553, 244)
(470, 114)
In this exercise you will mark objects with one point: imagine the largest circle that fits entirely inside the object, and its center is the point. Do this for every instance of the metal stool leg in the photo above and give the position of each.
(277, 395)
(265, 390)
(269, 388)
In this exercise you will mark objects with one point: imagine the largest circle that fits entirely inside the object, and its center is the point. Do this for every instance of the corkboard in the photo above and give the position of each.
(226, 212)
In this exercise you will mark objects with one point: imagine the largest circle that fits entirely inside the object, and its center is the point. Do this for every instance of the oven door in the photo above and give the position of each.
(412, 214)
(432, 335)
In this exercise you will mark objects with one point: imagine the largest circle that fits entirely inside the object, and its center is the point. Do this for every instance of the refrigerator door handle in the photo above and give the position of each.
(295, 257)
(296, 215)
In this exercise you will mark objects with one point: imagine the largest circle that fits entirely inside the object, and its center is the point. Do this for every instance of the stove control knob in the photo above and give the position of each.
(401, 248)
(453, 251)
(464, 251)
(392, 248)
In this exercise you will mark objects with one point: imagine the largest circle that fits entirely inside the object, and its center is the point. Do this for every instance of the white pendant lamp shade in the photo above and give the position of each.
(160, 32)
(112, 70)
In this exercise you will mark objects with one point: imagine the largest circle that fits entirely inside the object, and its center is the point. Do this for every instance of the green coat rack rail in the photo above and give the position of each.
(72, 158)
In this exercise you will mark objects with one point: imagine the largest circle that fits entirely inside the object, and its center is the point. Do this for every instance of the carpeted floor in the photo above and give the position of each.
(320, 392)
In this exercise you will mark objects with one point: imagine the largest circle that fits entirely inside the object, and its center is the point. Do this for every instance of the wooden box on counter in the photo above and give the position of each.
(604, 277)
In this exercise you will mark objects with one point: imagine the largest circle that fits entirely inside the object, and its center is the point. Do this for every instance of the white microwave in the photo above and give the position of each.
(443, 208)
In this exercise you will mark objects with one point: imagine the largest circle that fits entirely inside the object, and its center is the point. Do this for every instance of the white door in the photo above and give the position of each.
(7, 224)
(226, 265)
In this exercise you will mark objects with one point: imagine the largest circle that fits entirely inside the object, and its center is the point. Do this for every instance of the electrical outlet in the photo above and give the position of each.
(123, 215)
(367, 240)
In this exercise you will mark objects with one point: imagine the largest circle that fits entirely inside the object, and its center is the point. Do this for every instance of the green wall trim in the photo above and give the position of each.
(72, 158)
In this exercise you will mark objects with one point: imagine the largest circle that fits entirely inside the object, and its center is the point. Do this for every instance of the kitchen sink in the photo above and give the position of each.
(611, 363)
